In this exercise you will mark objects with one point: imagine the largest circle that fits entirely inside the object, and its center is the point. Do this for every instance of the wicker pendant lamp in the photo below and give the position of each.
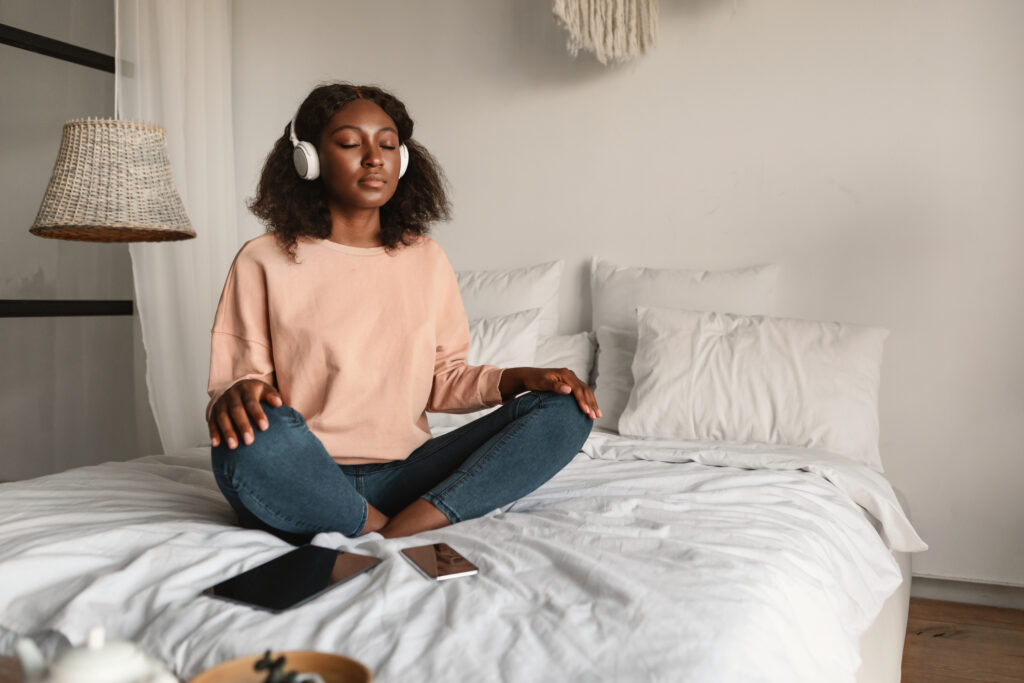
(112, 183)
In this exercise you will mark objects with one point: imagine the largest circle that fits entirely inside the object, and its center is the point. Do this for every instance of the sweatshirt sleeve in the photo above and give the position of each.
(240, 345)
(458, 387)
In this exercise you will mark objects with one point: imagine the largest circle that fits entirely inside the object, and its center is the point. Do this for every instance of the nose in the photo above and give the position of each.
(373, 157)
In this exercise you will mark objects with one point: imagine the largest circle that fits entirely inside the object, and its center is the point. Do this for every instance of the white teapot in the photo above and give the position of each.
(99, 661)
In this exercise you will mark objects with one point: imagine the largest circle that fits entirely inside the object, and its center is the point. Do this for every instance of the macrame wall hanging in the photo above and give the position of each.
(614, 30)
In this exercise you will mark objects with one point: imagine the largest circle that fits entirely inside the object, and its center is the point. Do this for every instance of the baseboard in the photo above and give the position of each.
(991, 594)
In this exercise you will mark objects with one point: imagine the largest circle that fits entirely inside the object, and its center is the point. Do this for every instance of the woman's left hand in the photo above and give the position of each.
(562, 381)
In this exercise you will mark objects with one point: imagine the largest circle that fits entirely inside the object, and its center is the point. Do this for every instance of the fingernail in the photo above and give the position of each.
(247, 437)
(232, 443)
(264, 424)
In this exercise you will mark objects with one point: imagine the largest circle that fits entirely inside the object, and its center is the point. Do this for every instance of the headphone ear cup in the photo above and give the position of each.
(307, 163)
(403, 152)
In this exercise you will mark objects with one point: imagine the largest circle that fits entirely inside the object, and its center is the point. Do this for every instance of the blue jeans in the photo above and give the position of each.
(285, 482)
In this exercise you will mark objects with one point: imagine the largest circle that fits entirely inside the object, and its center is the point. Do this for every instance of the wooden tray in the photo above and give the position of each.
(332, 668)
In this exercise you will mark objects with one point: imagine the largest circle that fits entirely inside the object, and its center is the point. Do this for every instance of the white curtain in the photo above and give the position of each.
(174, 69)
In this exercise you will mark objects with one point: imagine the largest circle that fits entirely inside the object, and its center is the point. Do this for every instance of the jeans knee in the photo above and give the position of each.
(268, 447)
(283, 415)
(568, 414)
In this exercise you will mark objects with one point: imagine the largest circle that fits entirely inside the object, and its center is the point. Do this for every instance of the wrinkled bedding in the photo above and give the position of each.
(643, 560)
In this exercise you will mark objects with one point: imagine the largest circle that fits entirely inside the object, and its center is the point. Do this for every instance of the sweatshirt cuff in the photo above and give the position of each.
(491, 381)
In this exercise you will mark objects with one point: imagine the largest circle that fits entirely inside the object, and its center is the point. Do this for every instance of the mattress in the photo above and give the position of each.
(642, 559)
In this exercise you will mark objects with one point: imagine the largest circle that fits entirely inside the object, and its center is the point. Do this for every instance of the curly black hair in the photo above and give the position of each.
(290, 206)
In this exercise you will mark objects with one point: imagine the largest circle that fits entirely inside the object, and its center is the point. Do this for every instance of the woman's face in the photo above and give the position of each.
(359, 158)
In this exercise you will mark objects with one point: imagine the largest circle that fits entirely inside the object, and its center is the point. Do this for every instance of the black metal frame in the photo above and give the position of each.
(34, 308)
(34, 42)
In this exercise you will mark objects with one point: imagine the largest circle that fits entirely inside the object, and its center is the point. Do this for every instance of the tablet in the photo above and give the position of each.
(292, 579)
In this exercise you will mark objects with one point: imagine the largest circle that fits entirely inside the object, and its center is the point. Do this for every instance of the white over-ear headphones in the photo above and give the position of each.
(307, 163)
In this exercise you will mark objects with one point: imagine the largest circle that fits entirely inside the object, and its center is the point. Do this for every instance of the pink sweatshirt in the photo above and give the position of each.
(360, 342)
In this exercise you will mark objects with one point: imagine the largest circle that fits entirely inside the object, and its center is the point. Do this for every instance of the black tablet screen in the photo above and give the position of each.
(292, 578)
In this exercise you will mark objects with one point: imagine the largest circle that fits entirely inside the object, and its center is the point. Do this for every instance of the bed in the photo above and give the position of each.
(639, 561)
(648, 558)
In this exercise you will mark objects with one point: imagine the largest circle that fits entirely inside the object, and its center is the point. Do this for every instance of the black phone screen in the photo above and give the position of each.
(293, 578)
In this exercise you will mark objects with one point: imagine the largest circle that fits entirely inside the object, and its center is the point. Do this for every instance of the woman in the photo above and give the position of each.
(338, 328)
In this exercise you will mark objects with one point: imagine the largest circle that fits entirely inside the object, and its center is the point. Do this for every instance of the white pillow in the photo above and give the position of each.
(506, 341)
(573, 351)
(616, 291)
(723, 377)
(491, 293)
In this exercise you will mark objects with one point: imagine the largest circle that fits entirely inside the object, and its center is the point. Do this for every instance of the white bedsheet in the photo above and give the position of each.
(642, 560)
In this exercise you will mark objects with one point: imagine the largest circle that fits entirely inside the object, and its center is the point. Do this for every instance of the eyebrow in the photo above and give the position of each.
(360, 129)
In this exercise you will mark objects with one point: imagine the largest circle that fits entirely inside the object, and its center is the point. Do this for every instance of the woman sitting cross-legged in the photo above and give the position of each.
(342, 325)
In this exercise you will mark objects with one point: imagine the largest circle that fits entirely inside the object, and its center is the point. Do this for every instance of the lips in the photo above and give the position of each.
(372, 180)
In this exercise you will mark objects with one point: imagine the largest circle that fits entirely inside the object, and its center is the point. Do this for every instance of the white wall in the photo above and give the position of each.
(874, 149)
(72, 389)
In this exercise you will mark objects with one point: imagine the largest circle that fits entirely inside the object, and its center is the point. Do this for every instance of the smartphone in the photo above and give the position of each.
(439, 561)
(292, 579)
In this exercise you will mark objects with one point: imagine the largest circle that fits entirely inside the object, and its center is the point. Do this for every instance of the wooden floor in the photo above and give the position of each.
(956, 642)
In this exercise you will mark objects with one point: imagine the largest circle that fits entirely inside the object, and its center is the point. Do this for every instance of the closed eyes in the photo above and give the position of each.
(352, 146)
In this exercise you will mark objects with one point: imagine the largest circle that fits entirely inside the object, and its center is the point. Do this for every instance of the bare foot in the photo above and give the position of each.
(420, 515)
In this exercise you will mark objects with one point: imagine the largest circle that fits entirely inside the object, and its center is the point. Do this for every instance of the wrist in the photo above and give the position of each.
(511, 383)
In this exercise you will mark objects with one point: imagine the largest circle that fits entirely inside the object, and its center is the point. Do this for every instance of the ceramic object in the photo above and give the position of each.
(98, 661)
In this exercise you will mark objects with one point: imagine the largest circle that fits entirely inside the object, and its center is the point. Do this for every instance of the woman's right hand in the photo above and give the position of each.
(236, 406)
